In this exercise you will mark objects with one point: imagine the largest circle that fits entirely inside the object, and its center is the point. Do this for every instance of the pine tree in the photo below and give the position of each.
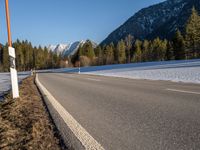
(138, 51)
(163, 49)
(128, 43)
(170, 51)
(88, 50)
(179, 46)
(193, 34)
(109, 54)
(5, 58)
(121, 52)
(159, 49)
(26, 51)
(46, 58)
(100, 58)
(116, 53)
(30, 65)
(99, 54)
(97, 51)
(80, 51)
(145, 51)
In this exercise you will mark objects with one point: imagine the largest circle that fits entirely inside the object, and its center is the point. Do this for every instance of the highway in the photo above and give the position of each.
(127, 114)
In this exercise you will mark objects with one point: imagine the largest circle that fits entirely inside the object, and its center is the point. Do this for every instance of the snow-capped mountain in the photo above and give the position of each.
(73, 48)
(160, 20)
(59, 49)
(68, 49)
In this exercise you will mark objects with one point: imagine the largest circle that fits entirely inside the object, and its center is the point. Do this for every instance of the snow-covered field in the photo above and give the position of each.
(187, 75)
(187, 71)
(5, 84)
(179, 71)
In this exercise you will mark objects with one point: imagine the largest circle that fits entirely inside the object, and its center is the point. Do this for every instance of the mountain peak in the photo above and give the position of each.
(68, 49)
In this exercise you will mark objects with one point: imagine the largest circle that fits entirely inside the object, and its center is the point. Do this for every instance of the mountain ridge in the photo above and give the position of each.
(159, 20)
(70, 49)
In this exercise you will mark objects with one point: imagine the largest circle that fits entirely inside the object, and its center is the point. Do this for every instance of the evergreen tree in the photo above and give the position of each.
(179, 46)
(193, 34)
(46, 58)
(170, 51)
(26, 50)
(138, 51)
(109, 54)
(5, 58)
(145, 51)
(35, 56)
(116, 53)
(159, 49)
(88, 50)
(80, 51)
(100, 56)
(19, 55)
(128, 43)
(121, 52)
(97, 51)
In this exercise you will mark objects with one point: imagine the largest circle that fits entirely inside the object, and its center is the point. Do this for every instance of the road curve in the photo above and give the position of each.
(130, 114)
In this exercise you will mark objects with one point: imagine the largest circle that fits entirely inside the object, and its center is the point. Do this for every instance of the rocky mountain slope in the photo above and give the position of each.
(160, 20)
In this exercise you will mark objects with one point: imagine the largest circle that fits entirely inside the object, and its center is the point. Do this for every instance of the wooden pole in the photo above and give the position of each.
(8, 23)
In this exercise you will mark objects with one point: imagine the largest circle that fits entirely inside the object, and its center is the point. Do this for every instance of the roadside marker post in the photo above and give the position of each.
(11, 50)
(79, 67)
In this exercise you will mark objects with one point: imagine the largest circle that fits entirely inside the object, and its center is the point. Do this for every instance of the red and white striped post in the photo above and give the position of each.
(11, 50)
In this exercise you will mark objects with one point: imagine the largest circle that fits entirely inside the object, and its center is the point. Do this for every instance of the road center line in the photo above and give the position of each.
(91, 79)
(182, 91)
(84, 137)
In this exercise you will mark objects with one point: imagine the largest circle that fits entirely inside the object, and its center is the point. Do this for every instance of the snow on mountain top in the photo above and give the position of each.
(51, 47)
(68, 49)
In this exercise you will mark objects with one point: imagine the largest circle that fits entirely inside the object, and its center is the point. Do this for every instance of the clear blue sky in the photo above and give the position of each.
(62, 21)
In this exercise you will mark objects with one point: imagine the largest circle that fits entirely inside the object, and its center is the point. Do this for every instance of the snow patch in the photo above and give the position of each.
(5, 83)
(176, 71)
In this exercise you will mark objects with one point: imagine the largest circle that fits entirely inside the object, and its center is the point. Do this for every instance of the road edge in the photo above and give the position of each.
(74, 135)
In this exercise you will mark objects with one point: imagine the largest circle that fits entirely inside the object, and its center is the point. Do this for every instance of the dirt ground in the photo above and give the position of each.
(25, 122)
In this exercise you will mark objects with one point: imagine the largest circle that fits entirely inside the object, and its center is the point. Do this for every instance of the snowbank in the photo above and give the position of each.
(187, 75)
(176, 71)
(5, 84)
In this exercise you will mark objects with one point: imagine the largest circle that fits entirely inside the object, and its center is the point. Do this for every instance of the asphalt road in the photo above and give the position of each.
(126, 114)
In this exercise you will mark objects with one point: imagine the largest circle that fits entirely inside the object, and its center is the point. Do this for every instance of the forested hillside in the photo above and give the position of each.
(160, 20)
(183, 45)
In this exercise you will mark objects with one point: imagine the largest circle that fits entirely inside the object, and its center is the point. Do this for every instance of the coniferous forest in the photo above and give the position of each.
(185, 45)
(29, 57)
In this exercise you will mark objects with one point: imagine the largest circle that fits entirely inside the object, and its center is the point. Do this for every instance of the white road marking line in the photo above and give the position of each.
(91, 79)
(182, 91)
(83, 136)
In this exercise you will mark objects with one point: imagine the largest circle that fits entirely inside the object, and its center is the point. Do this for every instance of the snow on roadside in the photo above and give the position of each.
(187, 75)
(5, 84)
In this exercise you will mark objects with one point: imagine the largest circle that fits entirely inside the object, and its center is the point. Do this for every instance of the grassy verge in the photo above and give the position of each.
(25, 122)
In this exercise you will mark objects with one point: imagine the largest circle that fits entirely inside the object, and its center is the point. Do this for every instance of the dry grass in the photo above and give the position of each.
(25, 122)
